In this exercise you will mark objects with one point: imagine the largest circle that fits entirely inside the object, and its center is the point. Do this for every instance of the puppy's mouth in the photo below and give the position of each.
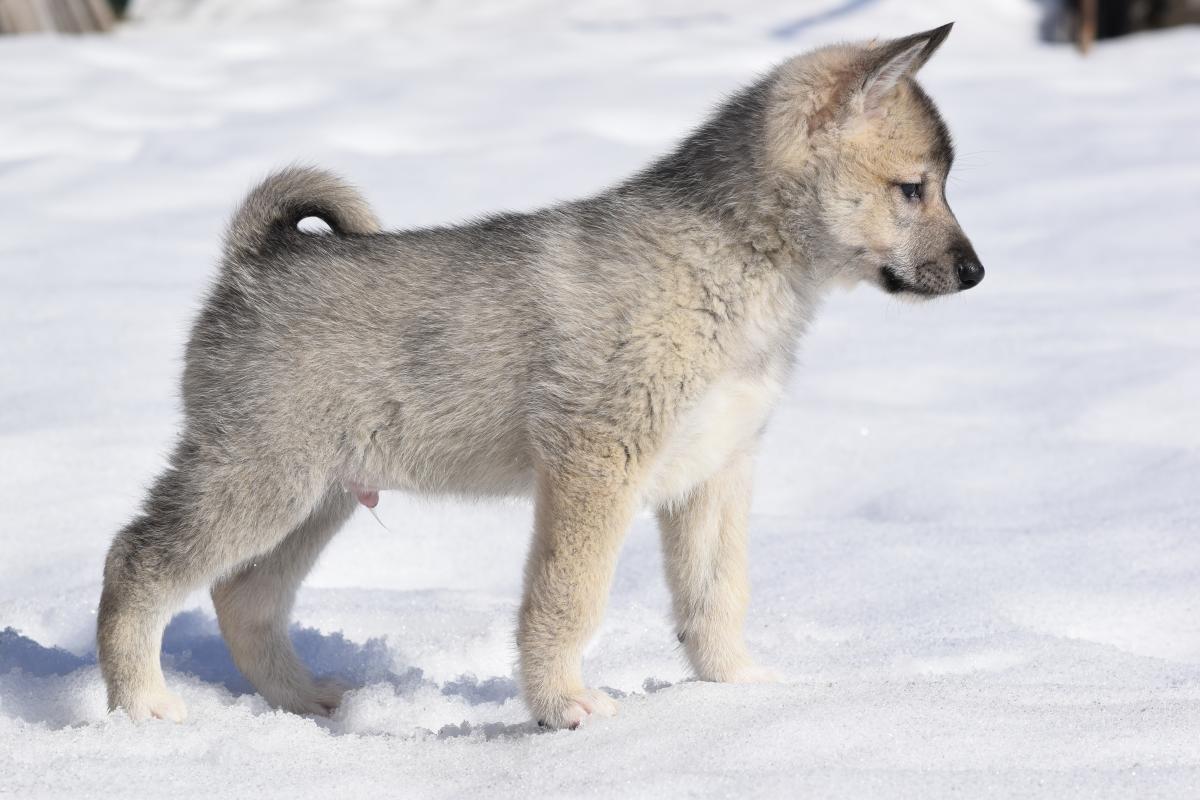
(894, 283)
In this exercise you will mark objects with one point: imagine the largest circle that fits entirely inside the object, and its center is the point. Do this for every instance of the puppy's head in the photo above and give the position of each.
(875, 157)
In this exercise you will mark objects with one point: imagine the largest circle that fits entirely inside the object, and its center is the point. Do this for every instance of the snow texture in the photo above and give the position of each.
(974, 554)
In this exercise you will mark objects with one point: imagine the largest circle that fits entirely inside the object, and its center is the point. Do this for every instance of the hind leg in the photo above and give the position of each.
(254, 604)
(200, 520)
(134, 607)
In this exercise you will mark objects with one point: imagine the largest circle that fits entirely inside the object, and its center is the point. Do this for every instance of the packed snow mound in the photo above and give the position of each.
(974, 550)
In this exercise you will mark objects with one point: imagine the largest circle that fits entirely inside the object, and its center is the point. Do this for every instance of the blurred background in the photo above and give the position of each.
(1081, 21)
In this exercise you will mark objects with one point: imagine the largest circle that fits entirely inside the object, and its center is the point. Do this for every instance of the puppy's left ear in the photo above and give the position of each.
(896, 60)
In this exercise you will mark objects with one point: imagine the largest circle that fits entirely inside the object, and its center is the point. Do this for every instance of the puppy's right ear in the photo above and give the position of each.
(891, 62)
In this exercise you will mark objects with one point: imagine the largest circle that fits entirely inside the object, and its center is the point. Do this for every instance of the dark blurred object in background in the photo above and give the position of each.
(65, 16)
(1083, 21)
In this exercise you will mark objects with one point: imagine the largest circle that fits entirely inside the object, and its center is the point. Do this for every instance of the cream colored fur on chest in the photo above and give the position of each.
(727, 418)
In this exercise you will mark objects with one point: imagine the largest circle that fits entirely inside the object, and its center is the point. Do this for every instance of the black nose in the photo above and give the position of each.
(970, 272)
(966, 263)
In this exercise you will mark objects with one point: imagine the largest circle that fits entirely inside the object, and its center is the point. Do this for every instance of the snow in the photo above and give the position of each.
(974, 547)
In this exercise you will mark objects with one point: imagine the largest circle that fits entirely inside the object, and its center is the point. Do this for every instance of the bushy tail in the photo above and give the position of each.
(272, 210)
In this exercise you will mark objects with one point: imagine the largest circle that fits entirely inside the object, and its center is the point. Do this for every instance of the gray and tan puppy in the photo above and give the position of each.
(605, 355)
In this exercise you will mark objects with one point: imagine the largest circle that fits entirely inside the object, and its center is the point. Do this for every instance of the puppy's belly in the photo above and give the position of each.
(464, 476)
(425, 460)
(727, 418)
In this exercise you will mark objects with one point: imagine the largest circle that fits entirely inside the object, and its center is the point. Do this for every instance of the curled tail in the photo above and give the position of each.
(272, 210)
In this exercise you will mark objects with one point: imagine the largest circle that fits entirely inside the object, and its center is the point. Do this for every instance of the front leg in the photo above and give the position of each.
(581, 517)
(704, 548)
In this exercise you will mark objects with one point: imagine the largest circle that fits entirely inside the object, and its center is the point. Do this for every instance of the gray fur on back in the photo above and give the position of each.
(448, 359)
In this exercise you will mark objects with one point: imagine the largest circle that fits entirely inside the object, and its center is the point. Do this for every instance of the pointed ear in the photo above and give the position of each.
(893, 61)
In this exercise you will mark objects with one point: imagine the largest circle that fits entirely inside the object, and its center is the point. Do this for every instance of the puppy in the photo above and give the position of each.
(603, 355)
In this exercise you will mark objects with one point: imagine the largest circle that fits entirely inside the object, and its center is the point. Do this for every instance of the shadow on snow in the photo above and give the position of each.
(192, 645)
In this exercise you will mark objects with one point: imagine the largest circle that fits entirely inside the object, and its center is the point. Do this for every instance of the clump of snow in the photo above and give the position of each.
(974, 551)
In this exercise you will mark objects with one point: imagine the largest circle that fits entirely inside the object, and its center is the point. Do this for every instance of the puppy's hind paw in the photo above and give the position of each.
(569, 711)
(328, 695)
(318, 698)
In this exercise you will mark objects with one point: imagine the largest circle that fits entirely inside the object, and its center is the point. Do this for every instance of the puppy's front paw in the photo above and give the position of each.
(737, 671)
(568, 711)
(157, 704)
(753, 673)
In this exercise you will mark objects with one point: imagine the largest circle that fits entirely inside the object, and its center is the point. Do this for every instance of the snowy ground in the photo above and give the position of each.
(975, 549)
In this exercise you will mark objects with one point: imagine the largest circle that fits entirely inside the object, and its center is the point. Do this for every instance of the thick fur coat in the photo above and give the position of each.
(604, 355)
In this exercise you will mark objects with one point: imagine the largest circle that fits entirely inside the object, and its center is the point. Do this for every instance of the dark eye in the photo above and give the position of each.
(911, 191)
